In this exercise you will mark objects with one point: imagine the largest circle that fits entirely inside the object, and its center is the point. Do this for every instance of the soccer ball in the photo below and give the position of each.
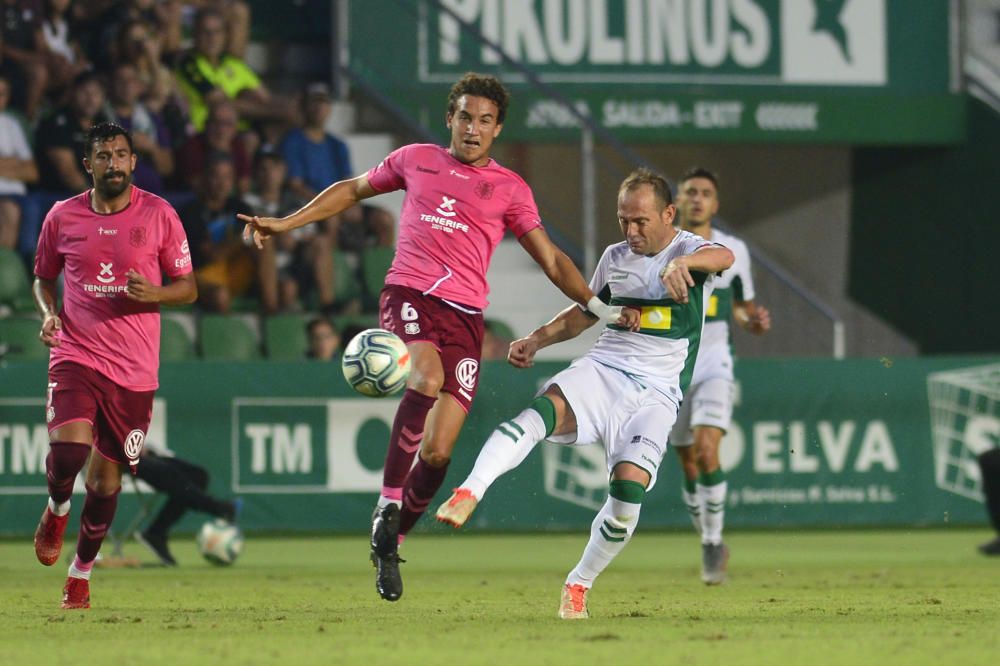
(376, 363)
(220, 542)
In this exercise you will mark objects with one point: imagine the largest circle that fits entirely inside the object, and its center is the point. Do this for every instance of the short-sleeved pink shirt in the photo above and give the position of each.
(453, 217)
(102, 328)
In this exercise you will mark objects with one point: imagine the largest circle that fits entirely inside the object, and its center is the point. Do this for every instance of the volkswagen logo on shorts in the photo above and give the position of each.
(133, 444)
(466, 373)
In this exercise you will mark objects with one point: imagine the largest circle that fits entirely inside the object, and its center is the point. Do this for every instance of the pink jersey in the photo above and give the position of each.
(453, 217)
(102, 328)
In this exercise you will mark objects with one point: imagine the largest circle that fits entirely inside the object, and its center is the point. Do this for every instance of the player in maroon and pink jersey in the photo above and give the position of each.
(113, 244)
(458, 204)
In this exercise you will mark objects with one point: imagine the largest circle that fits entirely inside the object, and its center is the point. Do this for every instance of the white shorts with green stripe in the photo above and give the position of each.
(709, 403)
(616, 410)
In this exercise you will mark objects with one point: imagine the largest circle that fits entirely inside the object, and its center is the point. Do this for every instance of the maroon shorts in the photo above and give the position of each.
(118, 416)
(457, 335)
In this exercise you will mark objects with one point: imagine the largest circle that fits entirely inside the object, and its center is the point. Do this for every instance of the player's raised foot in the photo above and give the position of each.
(991, 547)
(157, 544)
(76, 594)
(573, 605)
(384, 552)
(458, 508)
(49, 537)
(714, 559)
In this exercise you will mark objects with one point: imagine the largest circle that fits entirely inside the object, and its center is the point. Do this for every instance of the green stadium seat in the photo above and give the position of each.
(375, 263)
(345, 279)
(19, 340)
(15, 288)
(175, 343)
(351, 325)
(224, 338)
(285, 337)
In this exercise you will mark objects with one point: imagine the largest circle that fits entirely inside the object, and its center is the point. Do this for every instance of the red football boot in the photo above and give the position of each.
(49, 537)
(76, 594)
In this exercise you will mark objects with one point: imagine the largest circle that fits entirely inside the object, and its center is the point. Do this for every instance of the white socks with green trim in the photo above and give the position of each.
(506, 448)
(712, 500)
(611, 530)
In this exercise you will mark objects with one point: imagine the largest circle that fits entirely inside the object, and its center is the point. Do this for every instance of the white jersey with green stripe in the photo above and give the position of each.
(661, 354)
(715, 357)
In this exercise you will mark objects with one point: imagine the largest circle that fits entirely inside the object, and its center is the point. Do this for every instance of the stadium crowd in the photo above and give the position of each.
(211, 137)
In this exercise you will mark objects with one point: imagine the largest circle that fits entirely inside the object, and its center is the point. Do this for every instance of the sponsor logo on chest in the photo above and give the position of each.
(441, 219)
(105, 286)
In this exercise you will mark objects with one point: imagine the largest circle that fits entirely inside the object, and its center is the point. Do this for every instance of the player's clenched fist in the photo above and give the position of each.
(677, 278)
(522, 352)
(138, 288)
(50, 326)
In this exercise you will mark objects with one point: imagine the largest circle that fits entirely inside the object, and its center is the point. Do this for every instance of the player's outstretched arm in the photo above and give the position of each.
(676, 276)
(562, 272)
(566, 325)
(44, 292)
(333, 200)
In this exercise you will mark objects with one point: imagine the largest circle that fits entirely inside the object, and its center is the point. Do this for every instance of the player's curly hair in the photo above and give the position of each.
(480, 85)
(643, 176)
(103, 132)
(699, 172)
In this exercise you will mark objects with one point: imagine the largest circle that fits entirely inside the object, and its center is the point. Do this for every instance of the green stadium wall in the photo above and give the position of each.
(924, 236)
(816, 443)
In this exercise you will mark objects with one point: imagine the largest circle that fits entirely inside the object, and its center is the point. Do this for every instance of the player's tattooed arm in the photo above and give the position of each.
(44, 292)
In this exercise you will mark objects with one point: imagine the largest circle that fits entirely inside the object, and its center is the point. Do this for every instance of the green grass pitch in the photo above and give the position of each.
(832, 597)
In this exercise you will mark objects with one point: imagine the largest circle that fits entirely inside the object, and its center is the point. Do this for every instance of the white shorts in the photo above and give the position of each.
(709, 403)
(611, 408)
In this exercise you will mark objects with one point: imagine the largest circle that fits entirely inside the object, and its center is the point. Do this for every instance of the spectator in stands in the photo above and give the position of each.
(102, 21)
(23, 54)
(61, 138)
(224, 265)
(297, 262)
(64, 57)
(149, 134)
(208, 73)
(237, 19)
(136, 42)
(220, 136)
(324, 340)
(316, 158)
(17, 169)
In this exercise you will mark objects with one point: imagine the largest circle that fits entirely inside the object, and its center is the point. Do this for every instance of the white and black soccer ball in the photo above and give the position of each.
(220, 542)
(376, 363)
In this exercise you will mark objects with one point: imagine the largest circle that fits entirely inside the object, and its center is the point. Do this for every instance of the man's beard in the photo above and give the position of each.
(110, 190)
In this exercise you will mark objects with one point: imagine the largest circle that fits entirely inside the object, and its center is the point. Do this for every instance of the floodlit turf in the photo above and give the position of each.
(898, 597)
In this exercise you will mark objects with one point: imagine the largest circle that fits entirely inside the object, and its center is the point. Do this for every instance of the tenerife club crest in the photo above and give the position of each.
(484, 189)
(137, 236)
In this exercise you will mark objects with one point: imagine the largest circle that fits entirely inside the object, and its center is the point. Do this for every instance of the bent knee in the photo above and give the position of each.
(436, 458)
(428, 384)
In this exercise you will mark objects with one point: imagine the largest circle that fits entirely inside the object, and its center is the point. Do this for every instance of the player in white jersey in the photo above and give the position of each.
(630, 382)
(708, 404)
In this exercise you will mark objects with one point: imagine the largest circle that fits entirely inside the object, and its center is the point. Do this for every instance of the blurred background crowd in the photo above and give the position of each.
(211, 136)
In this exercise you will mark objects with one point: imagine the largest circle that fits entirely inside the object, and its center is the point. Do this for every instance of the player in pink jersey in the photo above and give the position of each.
(113, 244)
(459, 202)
